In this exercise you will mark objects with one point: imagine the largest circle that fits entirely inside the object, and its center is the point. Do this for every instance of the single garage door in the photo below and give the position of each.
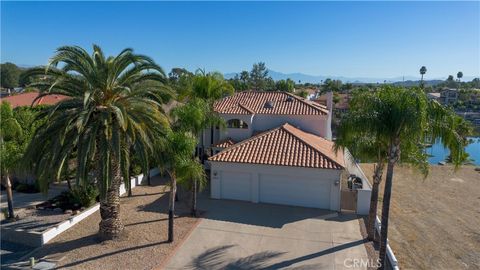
(236, 186)
(307, 192)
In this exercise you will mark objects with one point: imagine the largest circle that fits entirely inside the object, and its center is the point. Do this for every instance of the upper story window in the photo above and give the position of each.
(236, 123)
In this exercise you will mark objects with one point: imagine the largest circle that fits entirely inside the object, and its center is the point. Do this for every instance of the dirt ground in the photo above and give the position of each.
(144, 245)
(434, 222)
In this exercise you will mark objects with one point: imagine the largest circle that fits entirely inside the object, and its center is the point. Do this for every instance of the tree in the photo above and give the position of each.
(195, 116)
(285, 85)
(423, 70)
(245, 76)
(405, 119)
(258, 76)
(10, 150)
(10, 75)
(459, 77)
(113, 104)
(174, 156)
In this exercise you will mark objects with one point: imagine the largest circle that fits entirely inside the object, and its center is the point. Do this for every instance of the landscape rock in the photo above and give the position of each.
(68, 211)
(76, 212)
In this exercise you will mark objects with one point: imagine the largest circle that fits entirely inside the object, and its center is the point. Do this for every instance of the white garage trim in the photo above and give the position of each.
(308, 181)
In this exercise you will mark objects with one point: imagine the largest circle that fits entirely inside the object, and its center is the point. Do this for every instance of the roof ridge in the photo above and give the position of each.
(288, 125)
(304, 101)
(246, 108)
(253, 138)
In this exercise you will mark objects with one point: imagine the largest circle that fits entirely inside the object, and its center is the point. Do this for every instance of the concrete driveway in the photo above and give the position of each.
(242, 235)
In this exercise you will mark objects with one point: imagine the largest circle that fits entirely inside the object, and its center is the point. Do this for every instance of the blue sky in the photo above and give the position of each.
(361, 39)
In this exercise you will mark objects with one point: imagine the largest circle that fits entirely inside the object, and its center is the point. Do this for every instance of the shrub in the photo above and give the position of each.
(27, 188)
(86, 196)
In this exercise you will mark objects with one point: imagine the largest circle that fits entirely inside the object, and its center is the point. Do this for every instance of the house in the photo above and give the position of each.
(448, 96)
(27, 99)
(434, 96)
(276, 148)
(340, 102)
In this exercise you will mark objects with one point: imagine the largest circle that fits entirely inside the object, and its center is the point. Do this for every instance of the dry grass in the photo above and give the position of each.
(144, 245)
(434, 222)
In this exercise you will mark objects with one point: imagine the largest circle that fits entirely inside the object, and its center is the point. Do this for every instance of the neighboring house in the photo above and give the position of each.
(341, 106)
(448, 96)
(277, 148)
(434, 96)
(26, 99)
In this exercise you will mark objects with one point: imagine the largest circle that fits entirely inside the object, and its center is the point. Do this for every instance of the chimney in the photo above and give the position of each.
(328, 128)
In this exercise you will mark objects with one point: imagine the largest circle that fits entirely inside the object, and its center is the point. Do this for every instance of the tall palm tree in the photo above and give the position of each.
(195, 116)
(405, 119)
(113, 104)
(175, 158)
(423, 70)
(459, 77)
(365, 147)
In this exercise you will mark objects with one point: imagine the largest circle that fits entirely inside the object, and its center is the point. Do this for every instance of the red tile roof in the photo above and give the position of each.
(224, 143)
(254, 102)
(284, 146)
(343, 101)
(26, 99)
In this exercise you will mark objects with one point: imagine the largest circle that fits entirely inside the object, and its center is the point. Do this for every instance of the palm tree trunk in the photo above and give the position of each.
(69, 184)
(394, 154)
(171, 210)
(372, 214)
(194, 199)
(148, 178)
(8, 186)
(111, 226)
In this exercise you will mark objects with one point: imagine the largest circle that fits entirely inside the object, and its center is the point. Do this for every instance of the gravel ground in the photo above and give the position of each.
(434, 222)
(35, 220)
(144, 244)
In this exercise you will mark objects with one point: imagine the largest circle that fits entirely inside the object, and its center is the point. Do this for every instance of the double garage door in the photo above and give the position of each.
(277, 189)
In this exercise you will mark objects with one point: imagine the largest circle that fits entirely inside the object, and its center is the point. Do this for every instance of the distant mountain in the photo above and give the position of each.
(304, 78)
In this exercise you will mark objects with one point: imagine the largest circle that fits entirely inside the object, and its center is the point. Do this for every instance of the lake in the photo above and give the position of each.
(439, 153)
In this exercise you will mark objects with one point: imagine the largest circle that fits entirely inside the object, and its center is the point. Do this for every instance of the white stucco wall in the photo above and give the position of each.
(237, 134)
(255, 171)
(315, 124)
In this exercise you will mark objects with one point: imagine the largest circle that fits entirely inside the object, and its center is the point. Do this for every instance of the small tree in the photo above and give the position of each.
(174, 157)
(11, 151)
(10, 75)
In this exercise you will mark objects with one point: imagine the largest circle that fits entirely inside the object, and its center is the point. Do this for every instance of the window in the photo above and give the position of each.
(236, 123)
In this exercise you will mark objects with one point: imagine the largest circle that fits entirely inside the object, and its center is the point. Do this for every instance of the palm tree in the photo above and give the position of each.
(175, 158)
(113, 104)
(405, 119)
(364, 146)
(459, 77)
(10, 151)
(423, 70)
(195, 116)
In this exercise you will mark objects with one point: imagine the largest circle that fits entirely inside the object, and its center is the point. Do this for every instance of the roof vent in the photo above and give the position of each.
(289, 99)
(269, 104)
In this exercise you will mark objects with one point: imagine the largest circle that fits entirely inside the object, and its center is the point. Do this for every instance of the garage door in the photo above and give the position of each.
(236, 186)
(305, 192)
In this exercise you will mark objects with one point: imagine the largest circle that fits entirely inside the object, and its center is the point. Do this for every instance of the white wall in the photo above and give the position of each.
(237, 134)
(315, 124)
(255, 170)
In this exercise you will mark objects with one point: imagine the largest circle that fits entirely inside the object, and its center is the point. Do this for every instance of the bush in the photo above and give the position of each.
(27, 188)
(85, 196)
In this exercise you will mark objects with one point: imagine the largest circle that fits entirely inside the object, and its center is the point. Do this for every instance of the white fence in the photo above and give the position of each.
(390, 256)
(363, 200)
(364, 194)
(33, 238)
